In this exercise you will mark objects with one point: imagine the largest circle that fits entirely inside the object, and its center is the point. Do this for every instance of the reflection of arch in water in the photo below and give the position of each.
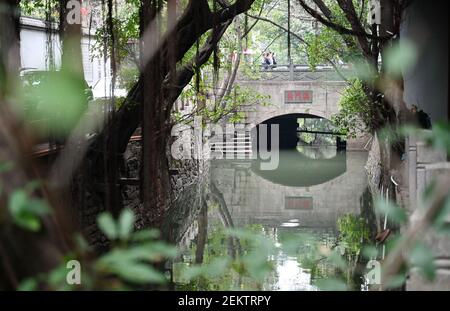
(297, 170)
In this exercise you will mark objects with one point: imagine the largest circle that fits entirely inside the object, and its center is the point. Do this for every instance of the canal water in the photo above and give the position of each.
(295, 209)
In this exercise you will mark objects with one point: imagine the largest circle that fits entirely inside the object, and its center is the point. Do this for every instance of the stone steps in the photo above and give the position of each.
(239, 144)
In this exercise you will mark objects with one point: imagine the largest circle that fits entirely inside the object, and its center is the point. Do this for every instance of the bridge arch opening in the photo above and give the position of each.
(300, 129)
(311, 150)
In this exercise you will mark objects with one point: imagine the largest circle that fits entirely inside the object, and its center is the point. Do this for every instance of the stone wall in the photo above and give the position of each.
(324, 103)
(184, 174)
(426, 166)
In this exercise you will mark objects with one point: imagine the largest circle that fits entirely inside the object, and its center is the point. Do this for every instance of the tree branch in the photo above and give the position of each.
(339, 28)
(351, 15)
(325, 10)
(277, 25)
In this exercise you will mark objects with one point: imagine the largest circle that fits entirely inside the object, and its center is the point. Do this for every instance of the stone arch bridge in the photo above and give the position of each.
(294, 90)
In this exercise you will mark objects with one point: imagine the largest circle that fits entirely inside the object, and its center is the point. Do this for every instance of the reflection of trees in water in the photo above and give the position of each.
(353, 235)
(202, 221)
(225, 215)
(368, 212)
(318, 152)
(316, 124)
(311, 249)
(356, 232)
(212, 242)
(192, 207)
(316, 139)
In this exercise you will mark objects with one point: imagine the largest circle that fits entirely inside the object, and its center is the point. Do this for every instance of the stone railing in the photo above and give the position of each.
(297, 73)
(426, 166)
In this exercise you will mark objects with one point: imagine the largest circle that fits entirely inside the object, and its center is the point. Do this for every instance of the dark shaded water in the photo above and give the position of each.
(303, 198)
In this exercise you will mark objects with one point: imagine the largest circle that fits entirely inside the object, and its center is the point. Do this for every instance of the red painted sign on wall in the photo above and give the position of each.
(298, 97)
(303, 203)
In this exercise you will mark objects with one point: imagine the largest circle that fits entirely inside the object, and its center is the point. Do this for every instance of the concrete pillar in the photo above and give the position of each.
(412, 165)
(291, 71)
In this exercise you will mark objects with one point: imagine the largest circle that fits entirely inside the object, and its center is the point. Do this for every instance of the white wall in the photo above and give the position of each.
(33, 50)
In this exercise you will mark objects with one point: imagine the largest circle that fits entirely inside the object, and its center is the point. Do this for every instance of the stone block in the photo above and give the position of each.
(439, 244)
(425, 154)
(417, 283)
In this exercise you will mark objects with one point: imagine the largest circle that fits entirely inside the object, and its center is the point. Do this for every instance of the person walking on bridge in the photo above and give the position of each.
(274, 62)
(267, 61)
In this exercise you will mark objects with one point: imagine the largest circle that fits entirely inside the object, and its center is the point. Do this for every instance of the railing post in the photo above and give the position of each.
(412, 172)
(291, 70)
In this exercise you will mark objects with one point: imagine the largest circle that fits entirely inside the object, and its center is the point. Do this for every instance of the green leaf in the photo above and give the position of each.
(213, 269)
(6, 166)
(332, 284)
(150, 252)
(338, 260)
(17, 202)
(422, 257)
(81, 243)
(393, 242)
(57, 278)
(139, 273)
(29, 222)
(37, 207)
(26, 211)
(400, 56)
(108, 226)
(163, 249)
(370, 251)
(439, 137)
(30, 284)
(396, 281)
(257, 264)
(440, 223)
(59, 98)
(394, 213)
(145, 235)
(126, 223)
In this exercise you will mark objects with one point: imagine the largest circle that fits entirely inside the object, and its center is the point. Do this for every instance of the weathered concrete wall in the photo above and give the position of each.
(425, 166)
(184, 174)
(326, 96)
(324, 102)
(425, 26)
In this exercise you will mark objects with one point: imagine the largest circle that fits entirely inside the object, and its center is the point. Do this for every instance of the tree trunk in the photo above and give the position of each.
(9, 42)
(159, 98)
(202, 236)
(23, 253)
(70, 33)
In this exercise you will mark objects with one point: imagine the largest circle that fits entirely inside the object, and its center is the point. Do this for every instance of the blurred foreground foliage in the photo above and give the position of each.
(131, 262)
